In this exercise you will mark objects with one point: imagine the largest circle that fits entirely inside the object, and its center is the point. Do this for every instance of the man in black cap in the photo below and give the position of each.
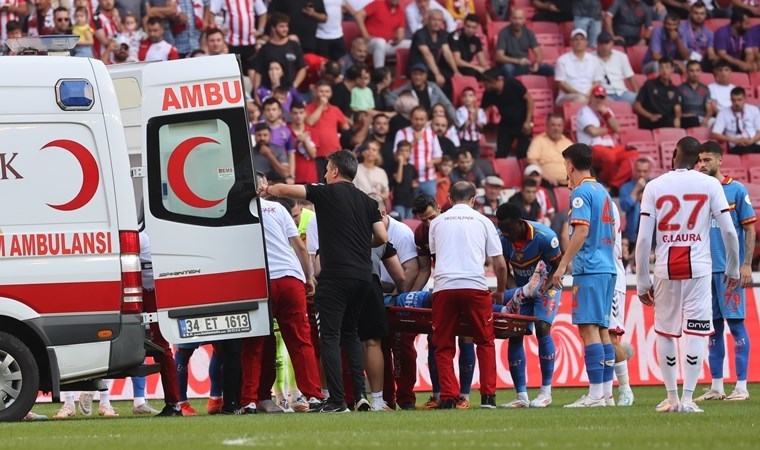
(618, 75)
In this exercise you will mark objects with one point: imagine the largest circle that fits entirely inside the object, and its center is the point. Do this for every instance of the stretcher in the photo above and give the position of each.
(420, 321)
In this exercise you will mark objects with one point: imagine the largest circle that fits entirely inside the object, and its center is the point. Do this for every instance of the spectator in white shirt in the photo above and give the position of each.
(330, 42)
(417, 12)
(739, 125)
(577, 72)
(720, 91)
(618, 74)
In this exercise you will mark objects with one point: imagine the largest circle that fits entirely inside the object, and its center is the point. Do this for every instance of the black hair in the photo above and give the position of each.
(423, 202)
(711, 147)
(379, 74)
(271, 101)
(693, 62)
(690, 149)
(472, 18)
(738, 90)
(529, 182)
(154, 21)
(296, 105)
(461, 190)
(355, 71)
(579, 156)
(738, 15)
(509, 211)
(345, 162)
(261, 126)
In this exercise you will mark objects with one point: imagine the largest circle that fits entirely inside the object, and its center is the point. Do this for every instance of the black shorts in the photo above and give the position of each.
(373, 321)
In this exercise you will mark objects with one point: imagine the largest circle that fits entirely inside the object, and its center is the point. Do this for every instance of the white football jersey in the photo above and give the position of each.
(682, 203)
(620, 282)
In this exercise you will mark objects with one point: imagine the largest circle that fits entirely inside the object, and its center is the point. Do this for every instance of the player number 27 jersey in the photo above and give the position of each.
(682, 203)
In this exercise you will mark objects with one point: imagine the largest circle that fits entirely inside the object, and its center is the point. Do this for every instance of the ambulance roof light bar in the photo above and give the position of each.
(59, 45)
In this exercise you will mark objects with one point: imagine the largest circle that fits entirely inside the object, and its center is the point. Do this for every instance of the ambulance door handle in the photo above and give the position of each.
(138, 172)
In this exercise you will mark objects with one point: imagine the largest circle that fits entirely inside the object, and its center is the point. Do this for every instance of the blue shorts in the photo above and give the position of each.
(592, 299)
(413, 299)
(726, 305)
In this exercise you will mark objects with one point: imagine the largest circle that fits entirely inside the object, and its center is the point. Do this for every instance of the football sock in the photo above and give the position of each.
(717, 348)
(621, 371)
(215, 375)
(516, 358)
(546, 354)
(741, 347)
(138, 391)
(465, 396)
(666, 355)
(466, 365)
(68, 397)
(523, 396)
(105, 398)
(377, 400)
(608, 372)
(695, 353)
(546, 389)
(594, 367)
(717, 385)
(325, 393)
(741, 384)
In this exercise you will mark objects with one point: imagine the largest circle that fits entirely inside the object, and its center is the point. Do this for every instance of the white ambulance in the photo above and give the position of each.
(70, 286)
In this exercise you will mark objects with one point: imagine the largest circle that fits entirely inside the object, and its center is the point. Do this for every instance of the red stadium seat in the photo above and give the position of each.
(714, 24)
(459, 83)
(544, 27)
(647, 149)
(534, 81)
(569, 110)
(549, 40)
(509, 171)
(565, 29)
(620, 107)
(706, 78)
(754, 176)
(639, 79)
(700, 133)
(751, 160)
(640, 135)
(402, 61)
(636, 56)
(493, 29)
(666, 154)
(350, 32)
(543, 102)
(412, 223)
(550, 55)
(676, 79)
(628, 121)
(668, 134)
(740, 79)
(563, 198)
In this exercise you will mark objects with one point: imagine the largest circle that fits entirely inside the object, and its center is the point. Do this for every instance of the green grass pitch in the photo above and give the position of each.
(724, 425)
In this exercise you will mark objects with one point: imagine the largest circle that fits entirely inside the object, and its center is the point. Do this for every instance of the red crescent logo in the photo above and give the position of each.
(176, 173)
(90, 174)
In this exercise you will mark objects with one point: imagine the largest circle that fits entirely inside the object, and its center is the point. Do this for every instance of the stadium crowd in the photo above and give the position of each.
(446, 105)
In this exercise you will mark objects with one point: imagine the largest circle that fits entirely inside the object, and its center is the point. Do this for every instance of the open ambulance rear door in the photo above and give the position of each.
(201, 212)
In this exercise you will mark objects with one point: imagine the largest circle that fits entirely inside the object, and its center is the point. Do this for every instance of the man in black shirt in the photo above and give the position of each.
(349, 225)
(379, 132)
(466, 46)
(659, 102)
(341, 97)
(281, 49)
(516, 109)
(430, 47)
(304, 16)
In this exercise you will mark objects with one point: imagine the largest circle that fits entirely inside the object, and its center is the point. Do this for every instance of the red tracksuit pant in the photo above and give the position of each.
(168, 369)
(474, 306)
(288, 297)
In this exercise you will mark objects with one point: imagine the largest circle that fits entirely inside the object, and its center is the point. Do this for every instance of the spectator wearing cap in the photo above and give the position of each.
(527, 200)
(578, 71)
(697, 109)
(430, 46)
(587, 15)
(732, 42)
(597, 127)
(426, 92)
(120, 51)
(466, 170)
(544, 196)
(513, 49)
(658, 103)
(697, 38)
(618, 74)
(382, 23)
(492, 198)
(666, 42)
(515, 106)
(629, 22)
(545, 151)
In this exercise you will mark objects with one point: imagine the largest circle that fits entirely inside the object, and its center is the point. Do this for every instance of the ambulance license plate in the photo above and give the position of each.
(214, 325)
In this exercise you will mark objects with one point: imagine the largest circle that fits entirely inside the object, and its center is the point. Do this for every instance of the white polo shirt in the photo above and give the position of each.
(580, 74)
(617, 69)
(461, 239)
(402, 238)
(721, 95)
(738, 124)
(585, 117)
(279, 227)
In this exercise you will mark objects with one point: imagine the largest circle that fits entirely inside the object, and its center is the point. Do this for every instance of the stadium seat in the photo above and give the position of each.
(412, 223)
(737, 173)
(668, 134)
(534, 81)
(562, 194)
(655, 172)
(640, 135)
(636, 56)
(570, 111)
(639, 79)
(666, 154)
(754, 175)
(700, 133)
(493, 115)
(740, 79)
(754, 78)
(549, 40)
(550, 55)
(539, 124)
(732, 161)
(350, 32)
(647, 149)
(628, 121)
(544, 27)
(751, 160)
(714, 24)
(529, 13)
(565, 29)
(493, 29)
(676, 79)
(485, 165)
(754, 193)
(402, 61)
(459, 83)
(706, 78)
(543, 102)
(620, 107)
(509, 171)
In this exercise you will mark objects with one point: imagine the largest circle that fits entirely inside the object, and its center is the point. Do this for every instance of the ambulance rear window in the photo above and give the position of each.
(128, 93)
(200, 169)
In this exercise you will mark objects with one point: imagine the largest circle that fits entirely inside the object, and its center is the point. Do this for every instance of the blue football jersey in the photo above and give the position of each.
(742, 214)
(541, 243)
(591, 205)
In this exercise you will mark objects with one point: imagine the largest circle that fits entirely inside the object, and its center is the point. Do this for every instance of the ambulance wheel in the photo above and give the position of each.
(19, 379)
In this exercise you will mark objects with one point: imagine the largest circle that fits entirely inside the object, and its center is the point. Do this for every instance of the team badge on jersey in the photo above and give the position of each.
(577, 202)
(555, 242)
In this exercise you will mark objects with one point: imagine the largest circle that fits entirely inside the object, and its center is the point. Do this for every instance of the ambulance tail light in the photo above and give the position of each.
(131, 277)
